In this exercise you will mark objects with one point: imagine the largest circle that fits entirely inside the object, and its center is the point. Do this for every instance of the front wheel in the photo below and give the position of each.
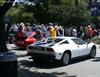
(93, 52)
(65, 59)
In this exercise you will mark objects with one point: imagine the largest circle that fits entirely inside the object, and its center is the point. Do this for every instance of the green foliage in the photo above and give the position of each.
(2, 2)
(96, 40)
(20, 14)
(27, 17)
(45, 11)
(15, 14)
(67, 13)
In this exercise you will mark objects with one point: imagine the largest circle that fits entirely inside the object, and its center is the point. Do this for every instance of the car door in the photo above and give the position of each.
(81, 46)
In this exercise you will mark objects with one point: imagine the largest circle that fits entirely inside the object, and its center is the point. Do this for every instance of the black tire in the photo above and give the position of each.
(92, 53)
(65, 59)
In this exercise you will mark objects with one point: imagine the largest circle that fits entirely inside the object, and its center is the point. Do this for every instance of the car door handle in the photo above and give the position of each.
(78, 46)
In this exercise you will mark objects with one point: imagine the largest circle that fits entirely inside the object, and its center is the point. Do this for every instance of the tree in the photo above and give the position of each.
(76, 3)
(4, 7)
(8, 60)
(66, 12)
(21, 13)
(79, 15)
(15, 13)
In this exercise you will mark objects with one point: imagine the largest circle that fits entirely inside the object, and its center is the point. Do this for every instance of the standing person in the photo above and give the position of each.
(81, 33)
(33, 28)
(78, 31)
(51, 31)
(28, 29)
(48, 32)
(74, 32)
(55, 31)
(38, 35)
(21, 27)
(20, 34)
(94, 32)
(44, 30)
(15, 28)
(89, 32)
(66, 31)
(60, 31)
(85, 37)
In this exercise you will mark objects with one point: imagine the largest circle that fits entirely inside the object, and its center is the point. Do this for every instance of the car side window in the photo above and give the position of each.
(65, 42)
(78, 41)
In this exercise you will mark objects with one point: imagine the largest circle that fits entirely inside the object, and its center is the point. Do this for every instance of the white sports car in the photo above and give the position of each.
(61, 48)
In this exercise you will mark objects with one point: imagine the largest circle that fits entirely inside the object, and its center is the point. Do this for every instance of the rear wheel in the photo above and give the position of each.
(93, 52)
(65, 59)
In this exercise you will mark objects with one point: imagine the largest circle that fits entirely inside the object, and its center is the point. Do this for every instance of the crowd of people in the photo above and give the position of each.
(53, 30)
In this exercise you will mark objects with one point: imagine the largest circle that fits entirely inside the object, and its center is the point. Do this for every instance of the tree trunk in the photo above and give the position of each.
(3, 9)
(3, 47)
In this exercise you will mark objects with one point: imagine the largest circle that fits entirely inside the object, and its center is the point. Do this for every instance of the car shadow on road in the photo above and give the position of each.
(40, 65)
(28, 73)
(49, 64)
(73, 61)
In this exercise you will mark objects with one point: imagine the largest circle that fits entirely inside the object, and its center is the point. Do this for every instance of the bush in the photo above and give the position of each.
(96, 40)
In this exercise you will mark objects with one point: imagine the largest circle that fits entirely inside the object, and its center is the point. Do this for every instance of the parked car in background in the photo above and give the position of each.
(25, 39)
(62, 49)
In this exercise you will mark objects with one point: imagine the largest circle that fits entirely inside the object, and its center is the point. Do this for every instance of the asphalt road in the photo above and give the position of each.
(77, 68)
